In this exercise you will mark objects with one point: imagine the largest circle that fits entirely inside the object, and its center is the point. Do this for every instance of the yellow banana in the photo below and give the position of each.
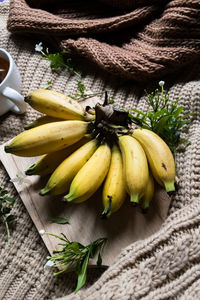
(91, 175)
(148, 194)
(55, 104)
(114, 190)
(41, 121)
(60, 180)
(49, 162)
(47, 138)
(135, 167)
(159, 156)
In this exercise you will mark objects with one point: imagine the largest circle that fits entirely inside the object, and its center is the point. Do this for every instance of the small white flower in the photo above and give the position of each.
(49, 264)
(39, 47)
(161, 83)
(42, 232)
(20, 178)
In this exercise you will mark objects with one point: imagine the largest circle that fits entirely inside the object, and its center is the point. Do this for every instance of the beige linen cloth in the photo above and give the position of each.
(164, 266)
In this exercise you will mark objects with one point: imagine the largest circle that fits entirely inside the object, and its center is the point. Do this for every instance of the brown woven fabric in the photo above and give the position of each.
(137, 39)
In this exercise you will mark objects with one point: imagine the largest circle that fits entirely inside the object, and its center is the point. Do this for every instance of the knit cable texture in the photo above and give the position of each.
(138, 40)
(163, 266)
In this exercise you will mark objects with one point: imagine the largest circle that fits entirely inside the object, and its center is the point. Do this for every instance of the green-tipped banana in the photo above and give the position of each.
(114, 190)
(135, 167)
(62, 177)
(47, 138)
(148, 194)
(159, 156)
(49, 162)
(56, 104)
(41, 121)
(90, 176)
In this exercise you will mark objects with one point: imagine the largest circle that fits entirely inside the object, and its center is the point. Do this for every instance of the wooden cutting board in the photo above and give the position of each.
(123, 228)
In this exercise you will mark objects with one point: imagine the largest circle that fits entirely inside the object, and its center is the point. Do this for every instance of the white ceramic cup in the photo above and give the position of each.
(10, 87)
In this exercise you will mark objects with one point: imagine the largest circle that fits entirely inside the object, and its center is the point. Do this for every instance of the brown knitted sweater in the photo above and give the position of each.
(135, 39)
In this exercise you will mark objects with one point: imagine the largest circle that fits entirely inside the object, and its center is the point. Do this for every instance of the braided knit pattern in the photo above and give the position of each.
(131, 39)
(166, 265)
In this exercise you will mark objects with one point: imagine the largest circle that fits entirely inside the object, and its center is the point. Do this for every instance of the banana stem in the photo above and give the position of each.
(107, 210)
(8, 149)
(145, 205)
(169, 186)
(44, 191)
(69, 197)
(134, 200)
(30, 170)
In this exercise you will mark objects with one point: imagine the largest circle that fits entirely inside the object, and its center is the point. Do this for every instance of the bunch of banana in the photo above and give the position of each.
(83, 151)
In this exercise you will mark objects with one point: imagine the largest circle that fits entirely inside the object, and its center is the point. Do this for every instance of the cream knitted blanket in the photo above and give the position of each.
(164, 266)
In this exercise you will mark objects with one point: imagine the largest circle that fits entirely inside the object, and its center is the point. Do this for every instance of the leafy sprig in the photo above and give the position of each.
(57, 60)
(81, 93)
(62, 60)
(164, 119)
(6, 204)
(74, 254)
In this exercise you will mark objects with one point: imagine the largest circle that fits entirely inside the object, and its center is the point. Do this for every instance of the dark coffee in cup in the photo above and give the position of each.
(4, 66)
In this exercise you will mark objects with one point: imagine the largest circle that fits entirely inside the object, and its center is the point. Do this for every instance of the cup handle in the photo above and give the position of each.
(16, 98)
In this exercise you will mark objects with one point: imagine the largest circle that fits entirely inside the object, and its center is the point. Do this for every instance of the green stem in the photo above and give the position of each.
(88, 96)
(7, 229)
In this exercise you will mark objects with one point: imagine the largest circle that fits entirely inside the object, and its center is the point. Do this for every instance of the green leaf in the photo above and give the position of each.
(60, 220)
(6, 204)
(164, 119)
(11, 218)
(159, 113)
(3, 192)
(111, 101)
(57, 60)
(178, 111)
(74, 254)
(47, 85)
(6, 210)
(75, 247)
(9, 199)
(138, 111)
(81, 88)
(99, 260)
(182, 123)
(82, 273)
